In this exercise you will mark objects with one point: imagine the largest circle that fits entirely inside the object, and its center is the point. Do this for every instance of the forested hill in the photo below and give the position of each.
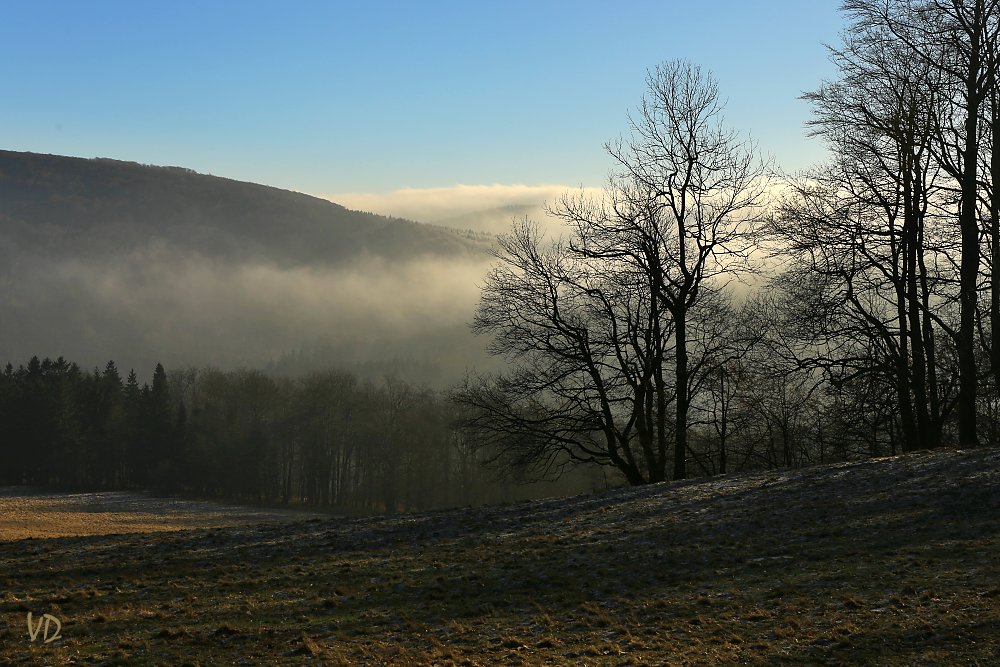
(72, 206)
(102, 259)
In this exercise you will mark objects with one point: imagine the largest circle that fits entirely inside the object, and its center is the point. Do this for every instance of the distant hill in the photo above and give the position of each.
(62, 206)
(102, 259)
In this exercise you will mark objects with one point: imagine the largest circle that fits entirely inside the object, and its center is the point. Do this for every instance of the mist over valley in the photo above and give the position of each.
(103, 259)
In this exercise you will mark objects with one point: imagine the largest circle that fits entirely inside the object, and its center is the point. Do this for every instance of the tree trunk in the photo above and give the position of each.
(969, 274)
(969, 271)
(724, 426)
(680, 429)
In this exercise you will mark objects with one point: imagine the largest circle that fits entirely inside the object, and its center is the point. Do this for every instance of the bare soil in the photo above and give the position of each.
(885, 562)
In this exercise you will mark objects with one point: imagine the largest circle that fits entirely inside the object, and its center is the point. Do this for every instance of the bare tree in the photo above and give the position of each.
(595, 321)
(702, 188)
(876, 228)
(959, 40)
(586, 343)
(725, 337)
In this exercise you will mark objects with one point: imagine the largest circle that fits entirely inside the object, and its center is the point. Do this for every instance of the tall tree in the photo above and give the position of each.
(702, 189)
(958, 38)
(595, 320)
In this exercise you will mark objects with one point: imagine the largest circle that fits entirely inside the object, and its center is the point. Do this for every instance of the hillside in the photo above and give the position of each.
(63, 206)
(102, 259)
(884, 562)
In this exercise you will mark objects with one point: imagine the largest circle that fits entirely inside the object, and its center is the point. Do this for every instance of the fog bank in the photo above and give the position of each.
(163, 304)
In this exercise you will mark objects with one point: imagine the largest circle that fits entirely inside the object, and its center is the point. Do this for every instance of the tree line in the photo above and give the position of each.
(324, 440)
(68, 429)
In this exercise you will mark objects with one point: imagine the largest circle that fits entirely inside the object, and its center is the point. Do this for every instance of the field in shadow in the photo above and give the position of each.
(887, 562)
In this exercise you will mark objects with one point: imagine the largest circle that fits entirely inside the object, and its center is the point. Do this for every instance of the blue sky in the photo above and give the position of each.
(376, 96)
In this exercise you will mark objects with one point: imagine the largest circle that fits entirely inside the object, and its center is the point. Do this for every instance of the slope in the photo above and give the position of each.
(887, 562)
(63, 206)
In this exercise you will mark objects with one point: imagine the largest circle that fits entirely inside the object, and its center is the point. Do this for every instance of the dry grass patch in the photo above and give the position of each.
(27, 513)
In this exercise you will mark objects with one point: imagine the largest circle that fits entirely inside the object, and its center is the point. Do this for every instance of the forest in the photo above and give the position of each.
(332, 441)
(326, 440)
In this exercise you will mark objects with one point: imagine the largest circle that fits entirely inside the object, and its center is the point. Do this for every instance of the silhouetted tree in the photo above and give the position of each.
(958, 41)
(702, 188)
(593, 321)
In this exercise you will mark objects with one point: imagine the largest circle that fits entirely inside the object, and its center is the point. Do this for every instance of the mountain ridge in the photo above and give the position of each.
(47, 200)
(107, 259)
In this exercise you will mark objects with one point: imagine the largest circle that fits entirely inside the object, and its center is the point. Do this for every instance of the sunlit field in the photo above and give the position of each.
(26, 513)
(886, 562)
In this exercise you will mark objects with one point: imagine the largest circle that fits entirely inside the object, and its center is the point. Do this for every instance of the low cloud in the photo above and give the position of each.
(439, 205)
(163, 304)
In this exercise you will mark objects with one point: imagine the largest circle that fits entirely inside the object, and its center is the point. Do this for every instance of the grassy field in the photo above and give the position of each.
(32, 513)
(887, 562)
